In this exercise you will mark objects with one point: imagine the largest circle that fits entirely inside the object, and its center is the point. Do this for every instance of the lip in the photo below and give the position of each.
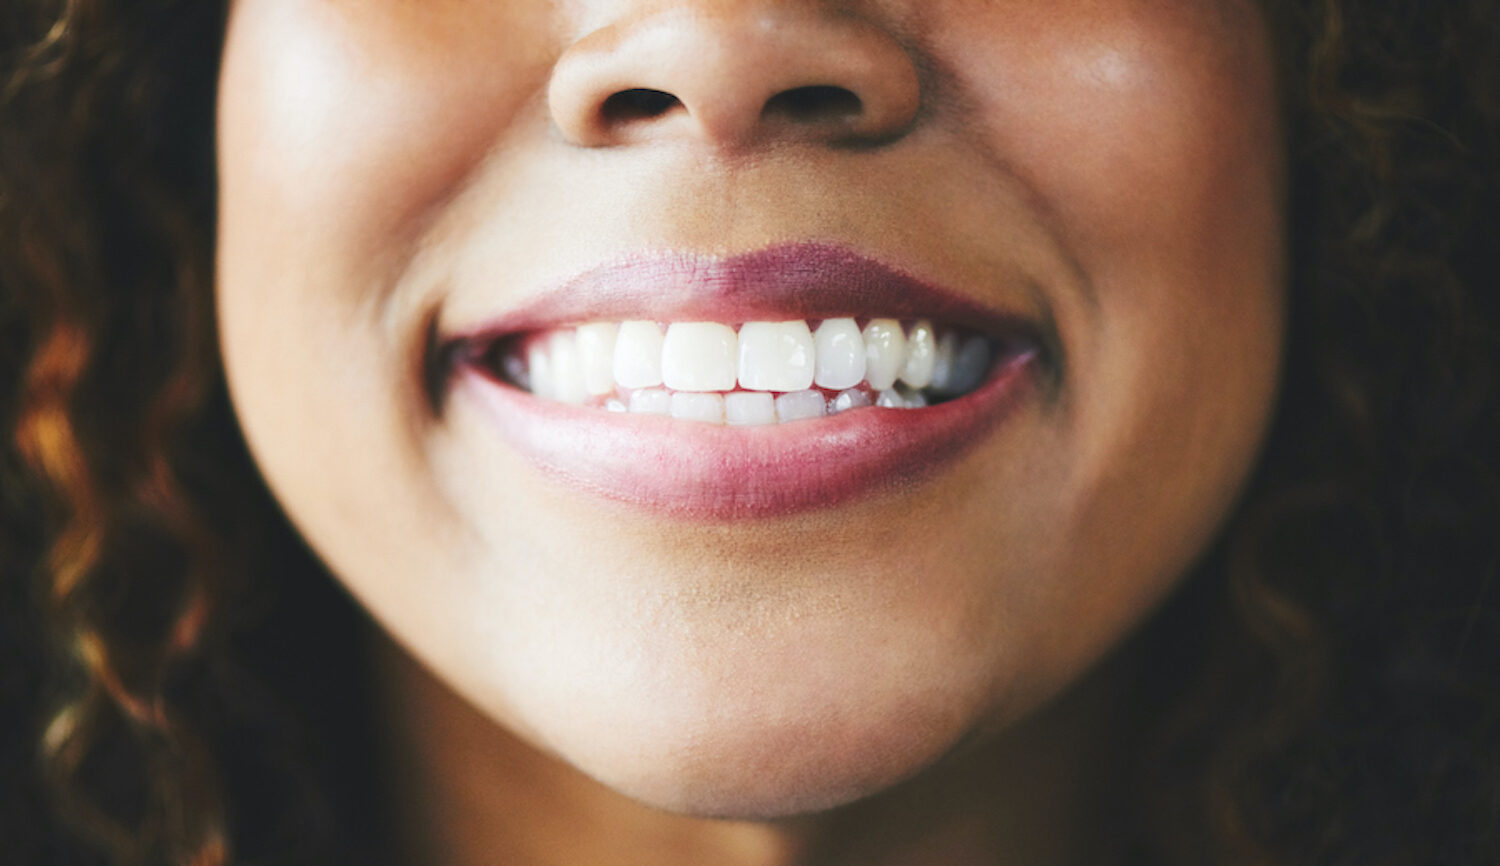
(790, 281)
(694, 471)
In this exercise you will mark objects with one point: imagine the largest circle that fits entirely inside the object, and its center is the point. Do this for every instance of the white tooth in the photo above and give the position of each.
(885, 352)
(613, 404)
(567, 372)
(970, 365)
(651, 401)
(698, 356)
(708, 408)
(638, 355)
(841, 354)
(942, 363)
(539, 370)
(921, 351)
(596, 353)
(801, 404)
(889, 399)
(749, 408)
(776, 356)
(846, 400)
(915, 400)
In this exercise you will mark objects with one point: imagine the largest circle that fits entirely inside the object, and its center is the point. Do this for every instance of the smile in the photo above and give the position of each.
(760, 373)
(814, 375)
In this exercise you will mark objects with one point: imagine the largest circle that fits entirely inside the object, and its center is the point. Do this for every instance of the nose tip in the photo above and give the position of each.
(735, 78)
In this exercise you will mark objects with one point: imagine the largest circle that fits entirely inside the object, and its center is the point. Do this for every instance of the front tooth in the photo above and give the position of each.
(921, 351)
(776, 356)
(698, 356)
(749, 408)
(539, 370)
(651, 401)
(596, 354)
(851, 399)
(801, 404)
(567, 369)
(638, 355)
(942, 363)
(889, 399)
(691, 406)
(841, 354)
(885, 352)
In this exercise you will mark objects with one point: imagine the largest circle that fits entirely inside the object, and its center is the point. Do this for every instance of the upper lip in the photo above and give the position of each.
(799, 280)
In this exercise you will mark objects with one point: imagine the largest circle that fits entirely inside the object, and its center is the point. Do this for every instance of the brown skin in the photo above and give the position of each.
(1114, 162)
(465, 792)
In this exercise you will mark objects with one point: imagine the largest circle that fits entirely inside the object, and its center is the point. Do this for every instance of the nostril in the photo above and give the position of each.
(813, 103)
(638, 104)
(735, 76)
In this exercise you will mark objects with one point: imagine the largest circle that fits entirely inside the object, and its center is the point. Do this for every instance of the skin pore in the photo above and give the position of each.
(394, 173)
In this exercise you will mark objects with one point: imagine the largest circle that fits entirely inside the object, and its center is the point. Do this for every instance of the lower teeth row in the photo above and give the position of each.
(759, 408)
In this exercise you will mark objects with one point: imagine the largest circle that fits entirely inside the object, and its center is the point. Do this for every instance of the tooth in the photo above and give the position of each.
(921, 351)
(698, 356)
(651, 401)
(885, 352)
(613, 404)
(916, 400)
(515, 370)
(567, 372)
(749, 408)
(776, 356)
(638, 355)
(596, 354)
(889, 399)
(708, 408)
(840, 353)
(539, 370)
(801, 404)
(970, 365)
(846, 400)
(942, 363)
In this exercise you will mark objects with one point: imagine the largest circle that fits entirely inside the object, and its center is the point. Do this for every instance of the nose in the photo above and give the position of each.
(735, 75)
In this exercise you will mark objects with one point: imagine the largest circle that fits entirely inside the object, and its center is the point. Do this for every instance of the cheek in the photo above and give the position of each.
(329, 164)
(1145, 129)
(342, 127)
(1147, 134)
(328, 116)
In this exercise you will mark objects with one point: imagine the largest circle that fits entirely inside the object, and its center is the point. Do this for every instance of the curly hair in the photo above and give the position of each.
(1345, 707)
(1326, 689)
(108, 331)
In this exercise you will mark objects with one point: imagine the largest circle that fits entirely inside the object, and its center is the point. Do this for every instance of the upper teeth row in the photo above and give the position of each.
(574, 364)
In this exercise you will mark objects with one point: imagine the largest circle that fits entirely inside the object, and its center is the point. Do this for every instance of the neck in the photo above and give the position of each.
(468, 793)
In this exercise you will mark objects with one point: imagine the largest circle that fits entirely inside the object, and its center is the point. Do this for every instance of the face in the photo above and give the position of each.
(1072, 210)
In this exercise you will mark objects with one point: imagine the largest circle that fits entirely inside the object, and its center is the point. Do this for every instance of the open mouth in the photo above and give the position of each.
(750, 374)
(786, 379)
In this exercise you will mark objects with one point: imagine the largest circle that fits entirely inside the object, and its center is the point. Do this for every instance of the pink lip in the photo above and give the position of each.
(791, 281)
(687, 470)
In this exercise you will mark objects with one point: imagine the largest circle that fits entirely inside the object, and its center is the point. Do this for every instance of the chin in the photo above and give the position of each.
(767, 738)
(766, 767)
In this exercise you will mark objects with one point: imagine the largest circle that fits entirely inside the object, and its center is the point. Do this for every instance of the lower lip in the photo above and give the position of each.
(694, 471)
